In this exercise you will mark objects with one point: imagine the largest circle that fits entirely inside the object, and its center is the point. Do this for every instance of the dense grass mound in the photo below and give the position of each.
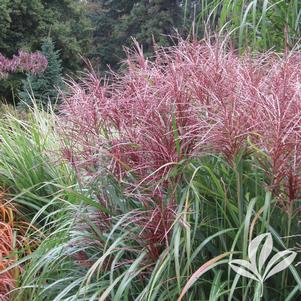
(179, 163)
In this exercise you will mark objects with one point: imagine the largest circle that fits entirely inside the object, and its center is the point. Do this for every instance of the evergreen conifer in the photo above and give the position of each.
(44, 87)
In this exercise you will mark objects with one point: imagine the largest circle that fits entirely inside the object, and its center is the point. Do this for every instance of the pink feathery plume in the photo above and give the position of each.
(279, 108)
(191, 99)
(23, 62)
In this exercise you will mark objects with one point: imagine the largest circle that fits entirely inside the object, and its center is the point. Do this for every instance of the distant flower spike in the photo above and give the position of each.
(23, 62)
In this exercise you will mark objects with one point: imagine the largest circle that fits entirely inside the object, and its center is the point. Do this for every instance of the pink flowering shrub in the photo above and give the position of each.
(192, 99)
(25, 62)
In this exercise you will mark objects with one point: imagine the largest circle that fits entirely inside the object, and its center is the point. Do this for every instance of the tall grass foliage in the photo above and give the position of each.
(180, 162)
(257, 25)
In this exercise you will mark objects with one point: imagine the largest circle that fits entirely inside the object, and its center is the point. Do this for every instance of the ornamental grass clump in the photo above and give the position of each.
(7, 279)
(7, 250)
(278, 103)
(192, 99)
(144, 126)
(181, 160)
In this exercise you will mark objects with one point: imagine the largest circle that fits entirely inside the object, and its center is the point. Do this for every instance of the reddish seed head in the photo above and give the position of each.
(195, 97)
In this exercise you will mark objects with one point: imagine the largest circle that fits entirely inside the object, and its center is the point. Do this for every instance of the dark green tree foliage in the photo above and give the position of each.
(44, 86)
(25, 23)
(116, 22)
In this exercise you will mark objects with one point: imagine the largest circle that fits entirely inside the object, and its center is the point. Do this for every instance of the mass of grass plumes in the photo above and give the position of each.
(175, 166)
(193, 99)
